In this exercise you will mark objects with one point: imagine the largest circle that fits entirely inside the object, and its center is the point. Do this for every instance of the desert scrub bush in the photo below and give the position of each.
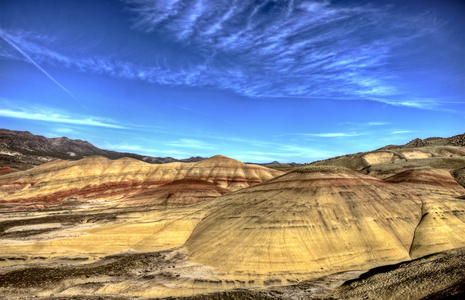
(432, 162)
(281, 167)
(421, 168)
(351, 162)
(324, 169)
(459, 176)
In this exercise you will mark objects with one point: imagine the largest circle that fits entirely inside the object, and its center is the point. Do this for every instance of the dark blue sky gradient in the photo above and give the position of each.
(257, 81)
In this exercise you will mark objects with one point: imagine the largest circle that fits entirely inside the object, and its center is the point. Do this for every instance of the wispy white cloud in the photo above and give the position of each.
(265, 149)
(64, 130)
(255, 158)
(300, 49)
(10, 41)
(286, 153)
(177, 152)
(57, 117)
(332, 134)
(413, 104)
(134, 148)
(306, 49)
(377, 123)
(190, 144)
(365, 124)
(401, 131)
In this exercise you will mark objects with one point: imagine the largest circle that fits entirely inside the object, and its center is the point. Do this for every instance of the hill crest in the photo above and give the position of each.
(100, 178)
(456, 140)
(23, 150)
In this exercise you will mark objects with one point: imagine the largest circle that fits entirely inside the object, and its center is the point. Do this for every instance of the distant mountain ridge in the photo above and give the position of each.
(456, 140)
(23, 150)
(434, 151)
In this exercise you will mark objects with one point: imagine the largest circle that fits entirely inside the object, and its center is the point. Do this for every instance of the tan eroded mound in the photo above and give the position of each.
(362, 160)
(388, 169)
(178, 192)
(99, 178)
(442, 225)
(453, 151)
(428, 179)
(305, 224)
(92, 235)
(440, 276)
(414, 154)
(7, 170)
(378, 157)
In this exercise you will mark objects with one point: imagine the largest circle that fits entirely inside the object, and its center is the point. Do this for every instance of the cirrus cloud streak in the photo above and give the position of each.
(48, 116)
(302, 49)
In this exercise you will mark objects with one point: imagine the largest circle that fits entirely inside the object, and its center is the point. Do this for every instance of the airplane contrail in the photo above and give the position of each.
(12, 44)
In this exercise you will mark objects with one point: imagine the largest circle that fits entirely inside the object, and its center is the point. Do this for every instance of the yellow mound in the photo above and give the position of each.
(99, 178)
(442, 225)
(301, 225)
(311, 223)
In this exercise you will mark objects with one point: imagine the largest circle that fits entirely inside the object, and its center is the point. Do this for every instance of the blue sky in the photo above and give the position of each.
(293, 81)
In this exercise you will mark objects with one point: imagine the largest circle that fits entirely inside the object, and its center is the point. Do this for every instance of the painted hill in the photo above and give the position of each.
(439, 151)
(387, 169)
(23, 150)
(456, 140)
(305, 224)
(103, 180)
(442, 225)
(177, 192)
(180, 229)
(439, 276)
(314, 221)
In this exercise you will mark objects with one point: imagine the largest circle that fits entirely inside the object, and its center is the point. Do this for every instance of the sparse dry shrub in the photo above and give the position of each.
(459, 176)
(324, 169)
(422, 168)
